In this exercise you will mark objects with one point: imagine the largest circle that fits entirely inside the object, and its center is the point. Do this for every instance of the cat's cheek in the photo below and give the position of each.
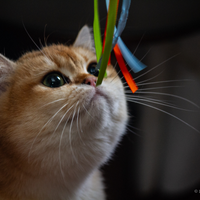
(99, 113)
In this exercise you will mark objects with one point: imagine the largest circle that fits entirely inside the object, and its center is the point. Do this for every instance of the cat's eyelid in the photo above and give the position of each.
(66, 79)
(93, 60)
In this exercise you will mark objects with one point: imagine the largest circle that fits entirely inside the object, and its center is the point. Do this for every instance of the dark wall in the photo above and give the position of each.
(141, 163)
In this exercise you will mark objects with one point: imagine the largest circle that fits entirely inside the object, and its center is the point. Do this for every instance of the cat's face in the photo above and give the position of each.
(51, 110)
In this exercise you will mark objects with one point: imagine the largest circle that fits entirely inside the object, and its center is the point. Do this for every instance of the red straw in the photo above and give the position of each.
(125, 72)
(109, 61)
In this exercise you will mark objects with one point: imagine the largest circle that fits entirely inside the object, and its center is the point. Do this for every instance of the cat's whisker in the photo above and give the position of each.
(149, 98)
(167, 94)
(124, 83)
(137, 49)
(50, 120)
(35, 43)
(163, 111)
(133, 132)
(150, 78)
(70, 130)
(133, 127)
(78, 128)
(138, 83)
(60, 122)
(49, 55)
(60, 143)
(145, 54)
(127, 86)
(115, 77)
(156, 88)
(45, 41)
(138, 44)
(158, 103)
(115, 65)
(156, 66)
(92, 117)
(41, 45)
(87, 111)
(158, 82)
(53, 102)
(113, 70)
(80, 125)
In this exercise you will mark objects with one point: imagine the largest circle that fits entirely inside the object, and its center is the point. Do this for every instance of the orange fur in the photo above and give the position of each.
(35, 164)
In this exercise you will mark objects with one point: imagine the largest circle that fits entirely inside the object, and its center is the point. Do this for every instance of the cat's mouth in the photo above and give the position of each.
(99, 93)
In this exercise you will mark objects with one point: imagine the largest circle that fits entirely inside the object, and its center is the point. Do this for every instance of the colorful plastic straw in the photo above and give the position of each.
(114, 41)
(97, 32)
(111, 19)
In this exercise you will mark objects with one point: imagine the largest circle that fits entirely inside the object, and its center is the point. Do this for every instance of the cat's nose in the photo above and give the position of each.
(90, 80)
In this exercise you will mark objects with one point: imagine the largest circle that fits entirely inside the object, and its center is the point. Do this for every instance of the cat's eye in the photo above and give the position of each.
(92, 69)
(54, 80)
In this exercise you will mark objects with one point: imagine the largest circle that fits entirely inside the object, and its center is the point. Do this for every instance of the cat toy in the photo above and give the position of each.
(113, 41)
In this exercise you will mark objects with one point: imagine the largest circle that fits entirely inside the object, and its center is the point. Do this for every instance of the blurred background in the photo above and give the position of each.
(159, 157)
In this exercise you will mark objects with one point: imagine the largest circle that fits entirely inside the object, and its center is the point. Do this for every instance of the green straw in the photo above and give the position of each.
(97, 32)
(111, 19)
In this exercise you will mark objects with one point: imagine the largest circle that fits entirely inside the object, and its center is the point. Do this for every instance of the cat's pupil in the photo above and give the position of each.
(53, 80)
(92, 69)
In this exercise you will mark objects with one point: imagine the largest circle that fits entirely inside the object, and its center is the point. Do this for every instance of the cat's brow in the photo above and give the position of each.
(71, 56)
(72, 59)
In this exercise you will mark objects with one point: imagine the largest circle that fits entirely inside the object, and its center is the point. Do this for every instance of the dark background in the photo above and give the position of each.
(164, 160)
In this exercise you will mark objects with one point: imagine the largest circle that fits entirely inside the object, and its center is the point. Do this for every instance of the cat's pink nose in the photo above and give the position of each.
(90, 80)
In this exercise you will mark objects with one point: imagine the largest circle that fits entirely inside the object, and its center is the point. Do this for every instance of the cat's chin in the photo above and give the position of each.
(99, 94)
(100, 101)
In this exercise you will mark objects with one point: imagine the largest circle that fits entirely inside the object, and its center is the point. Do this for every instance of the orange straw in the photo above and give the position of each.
(124, 69)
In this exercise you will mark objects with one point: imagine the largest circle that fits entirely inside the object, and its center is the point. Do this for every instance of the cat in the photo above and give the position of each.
(56, 127)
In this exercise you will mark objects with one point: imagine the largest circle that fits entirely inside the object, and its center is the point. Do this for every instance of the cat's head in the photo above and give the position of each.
(51, 110)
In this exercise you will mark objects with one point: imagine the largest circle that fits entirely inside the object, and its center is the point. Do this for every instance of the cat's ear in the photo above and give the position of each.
(85, 38)
(6, 69)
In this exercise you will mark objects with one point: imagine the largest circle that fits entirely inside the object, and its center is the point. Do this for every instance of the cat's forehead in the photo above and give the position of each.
(75, 55)
(66, 59)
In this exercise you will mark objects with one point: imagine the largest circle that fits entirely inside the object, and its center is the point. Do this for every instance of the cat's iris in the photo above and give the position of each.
(92, 69)
(53, 80)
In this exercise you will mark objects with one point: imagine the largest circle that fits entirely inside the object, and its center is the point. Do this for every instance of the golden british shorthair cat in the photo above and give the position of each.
(56, 127)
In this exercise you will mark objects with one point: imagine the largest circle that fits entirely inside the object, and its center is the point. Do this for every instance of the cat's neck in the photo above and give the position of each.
(51, 185)
(44, 182)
